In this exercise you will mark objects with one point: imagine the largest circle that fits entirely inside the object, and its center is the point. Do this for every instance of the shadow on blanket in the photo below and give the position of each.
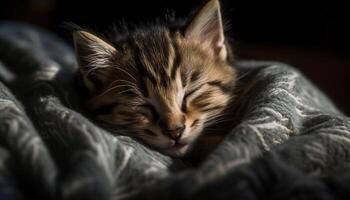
(290, 143)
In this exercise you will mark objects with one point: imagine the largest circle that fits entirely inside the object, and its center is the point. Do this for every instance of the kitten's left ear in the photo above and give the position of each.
(93, 55)
(207, 27)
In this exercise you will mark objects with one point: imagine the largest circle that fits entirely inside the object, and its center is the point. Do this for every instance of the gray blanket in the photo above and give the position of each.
(288, 140)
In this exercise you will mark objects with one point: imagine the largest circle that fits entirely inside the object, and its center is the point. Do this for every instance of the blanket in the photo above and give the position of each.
(288, 140)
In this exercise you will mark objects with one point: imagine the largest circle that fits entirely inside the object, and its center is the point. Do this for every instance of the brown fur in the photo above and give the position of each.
(157, 79)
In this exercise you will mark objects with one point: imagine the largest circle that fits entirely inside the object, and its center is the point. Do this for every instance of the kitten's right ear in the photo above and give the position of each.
(207, 27)
(94, 58)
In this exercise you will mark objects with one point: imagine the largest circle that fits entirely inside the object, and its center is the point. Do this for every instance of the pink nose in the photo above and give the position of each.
(175, 132)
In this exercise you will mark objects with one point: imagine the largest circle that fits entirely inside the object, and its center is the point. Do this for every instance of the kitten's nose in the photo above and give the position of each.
(176, 131)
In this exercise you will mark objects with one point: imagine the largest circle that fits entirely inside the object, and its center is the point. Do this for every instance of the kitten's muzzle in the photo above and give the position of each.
(176, 132)
(173, 125)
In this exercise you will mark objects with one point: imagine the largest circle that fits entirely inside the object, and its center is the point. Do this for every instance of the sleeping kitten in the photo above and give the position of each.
(159, 85)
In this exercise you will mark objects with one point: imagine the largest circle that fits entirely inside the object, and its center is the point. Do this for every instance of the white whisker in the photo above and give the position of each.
(131, 83)
(127, 73)
(131, 89)
(112, 88)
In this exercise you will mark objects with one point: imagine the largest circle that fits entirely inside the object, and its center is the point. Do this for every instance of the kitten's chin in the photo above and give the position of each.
(178, 150)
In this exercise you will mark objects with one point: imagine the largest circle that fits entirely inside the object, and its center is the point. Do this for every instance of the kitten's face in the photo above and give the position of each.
(157, 86)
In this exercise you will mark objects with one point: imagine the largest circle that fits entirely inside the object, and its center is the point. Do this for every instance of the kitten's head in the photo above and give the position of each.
(159, 86)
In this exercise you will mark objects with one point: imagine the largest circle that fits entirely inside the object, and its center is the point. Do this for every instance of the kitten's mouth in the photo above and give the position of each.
(177, 146)
(173, 145)
(176, 149)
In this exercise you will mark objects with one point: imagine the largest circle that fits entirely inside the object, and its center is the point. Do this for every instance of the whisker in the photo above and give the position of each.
(91, 69)
(131, 83)
(215, 122)
(243, 75)
(131, 89)
(112, 88)
(134, 67)
(217, 119)
(127, 73)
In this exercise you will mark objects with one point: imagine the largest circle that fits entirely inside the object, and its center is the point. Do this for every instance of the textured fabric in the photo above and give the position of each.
(288, 140)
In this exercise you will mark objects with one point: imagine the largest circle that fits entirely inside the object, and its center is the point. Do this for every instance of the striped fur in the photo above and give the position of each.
(156, 78)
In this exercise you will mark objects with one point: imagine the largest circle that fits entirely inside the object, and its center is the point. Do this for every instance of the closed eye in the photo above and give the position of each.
(153, 111)
(184, 101)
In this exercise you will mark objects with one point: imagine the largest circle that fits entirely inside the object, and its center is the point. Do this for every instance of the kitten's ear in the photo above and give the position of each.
(207, 27)
(94, 58)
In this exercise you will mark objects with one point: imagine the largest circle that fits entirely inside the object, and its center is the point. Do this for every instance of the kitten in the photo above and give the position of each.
(159, 85)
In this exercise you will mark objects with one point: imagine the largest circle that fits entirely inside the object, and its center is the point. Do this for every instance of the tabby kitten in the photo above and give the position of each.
(159, 85)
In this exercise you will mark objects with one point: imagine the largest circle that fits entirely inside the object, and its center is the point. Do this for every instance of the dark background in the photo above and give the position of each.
(311, 35)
